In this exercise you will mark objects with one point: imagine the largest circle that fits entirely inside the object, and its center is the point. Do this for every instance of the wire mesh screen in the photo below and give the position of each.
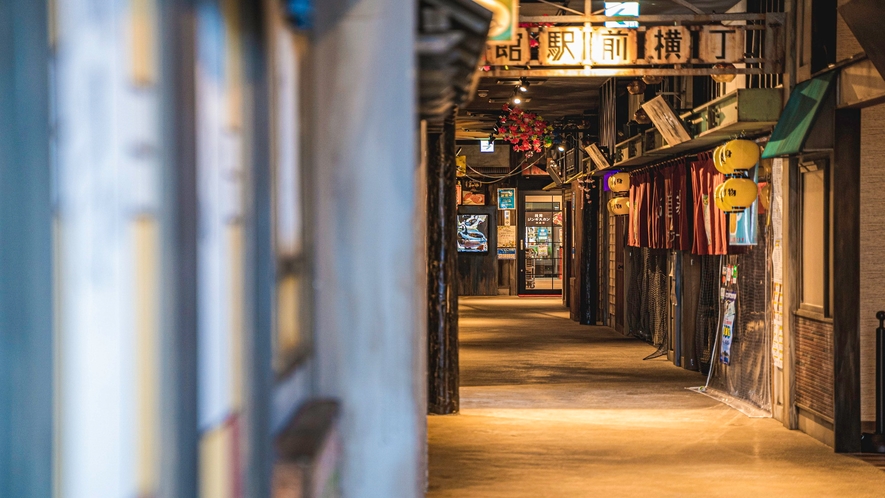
(707, 317)
(746, 376)
(648, 301)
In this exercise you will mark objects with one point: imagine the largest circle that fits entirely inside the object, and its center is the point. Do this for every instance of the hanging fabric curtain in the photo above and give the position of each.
(710, 226)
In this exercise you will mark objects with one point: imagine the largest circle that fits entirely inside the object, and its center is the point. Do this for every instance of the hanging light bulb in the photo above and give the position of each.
(724, 78)
(560, 148)
(523, 85)
(516, 99)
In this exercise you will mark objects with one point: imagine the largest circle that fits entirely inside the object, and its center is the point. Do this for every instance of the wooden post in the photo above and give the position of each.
(442, 294)
(846, 275)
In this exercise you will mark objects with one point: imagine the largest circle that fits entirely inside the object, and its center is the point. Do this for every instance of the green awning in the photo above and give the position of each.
(798, 116)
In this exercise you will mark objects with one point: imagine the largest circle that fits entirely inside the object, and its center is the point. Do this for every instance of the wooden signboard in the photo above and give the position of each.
(513, 54)
(564, 46)
(667, 45)
(613, 46)
(596, 156)
(723, 44)
(666, 121)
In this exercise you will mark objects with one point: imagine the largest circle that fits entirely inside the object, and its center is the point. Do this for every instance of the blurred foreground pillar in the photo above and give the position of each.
(442, 258)
(26, 266)
(368, 323)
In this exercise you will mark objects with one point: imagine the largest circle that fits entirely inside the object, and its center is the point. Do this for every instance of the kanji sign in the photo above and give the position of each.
(515, 54)
(564, 46)
(613, 46)
(721, 44)
(667, 45)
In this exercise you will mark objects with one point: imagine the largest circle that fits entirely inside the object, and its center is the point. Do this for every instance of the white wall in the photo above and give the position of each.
(367, 326)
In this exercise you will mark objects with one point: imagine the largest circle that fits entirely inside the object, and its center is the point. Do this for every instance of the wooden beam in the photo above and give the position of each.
(608, 72)
(651, 19)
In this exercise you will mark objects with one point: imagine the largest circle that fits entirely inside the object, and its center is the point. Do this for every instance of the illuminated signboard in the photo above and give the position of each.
(622, 9)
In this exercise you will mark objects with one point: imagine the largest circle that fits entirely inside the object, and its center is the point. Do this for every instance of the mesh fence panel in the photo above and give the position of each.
(707, 318)
(747, 374)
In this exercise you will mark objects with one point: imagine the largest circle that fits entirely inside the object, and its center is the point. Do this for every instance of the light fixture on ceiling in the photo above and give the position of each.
(523, 84)
(636, 87)
(724, 78)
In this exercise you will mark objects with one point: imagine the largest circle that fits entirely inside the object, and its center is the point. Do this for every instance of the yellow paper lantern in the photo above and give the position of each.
(719, 201)
(737, 194)
(718, 161)
(619, 182)
(740, 154)
(619, 206)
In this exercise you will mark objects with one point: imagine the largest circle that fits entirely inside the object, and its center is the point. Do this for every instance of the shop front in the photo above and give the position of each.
(541, 244)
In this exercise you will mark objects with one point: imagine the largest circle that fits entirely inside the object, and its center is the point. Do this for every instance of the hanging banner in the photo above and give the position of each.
(505, 19)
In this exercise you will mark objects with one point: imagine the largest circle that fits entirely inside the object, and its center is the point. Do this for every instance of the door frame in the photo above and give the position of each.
(520, 249)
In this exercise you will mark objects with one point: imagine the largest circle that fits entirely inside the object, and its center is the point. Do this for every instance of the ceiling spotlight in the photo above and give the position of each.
(517, 100)
(524, 85)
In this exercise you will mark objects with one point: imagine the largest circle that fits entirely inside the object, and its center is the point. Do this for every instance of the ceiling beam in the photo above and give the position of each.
(664, 18)
(607, 72)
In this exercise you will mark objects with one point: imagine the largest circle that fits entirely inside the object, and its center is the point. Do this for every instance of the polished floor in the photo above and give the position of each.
(550, 408)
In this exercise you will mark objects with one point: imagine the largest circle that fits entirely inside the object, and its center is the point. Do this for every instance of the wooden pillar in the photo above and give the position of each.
(27, 313)
(846, 275)
(442, 297)
(588, 269)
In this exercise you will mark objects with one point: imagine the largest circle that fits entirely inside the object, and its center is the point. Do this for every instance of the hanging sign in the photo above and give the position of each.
(603, 46)
(667, 45)
(565, 46)
(666, 121)
(506, 198)
(517, 53)
(505, 19)
(721, 44)
(539, 219)
(613, 47)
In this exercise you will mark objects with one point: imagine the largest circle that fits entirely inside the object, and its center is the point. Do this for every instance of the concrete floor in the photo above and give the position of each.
(550, 408)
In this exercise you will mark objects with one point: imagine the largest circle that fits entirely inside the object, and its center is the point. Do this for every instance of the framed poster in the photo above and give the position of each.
(472, 199)
(506, 198)
(473, 233)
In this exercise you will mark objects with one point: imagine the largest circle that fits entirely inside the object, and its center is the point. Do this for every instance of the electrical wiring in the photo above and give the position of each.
(497, 178)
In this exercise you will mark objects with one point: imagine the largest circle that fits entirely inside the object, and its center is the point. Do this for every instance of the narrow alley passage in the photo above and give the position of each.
(553, 408)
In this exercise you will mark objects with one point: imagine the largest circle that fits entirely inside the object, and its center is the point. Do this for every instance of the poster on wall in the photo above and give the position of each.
(505, 20)
(506, 236)
(506, 198)
(473, 199)
(473, 233)
(728, 326)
